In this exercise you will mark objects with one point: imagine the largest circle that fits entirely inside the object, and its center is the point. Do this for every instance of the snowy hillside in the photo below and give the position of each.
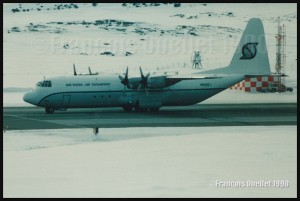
(46, 39)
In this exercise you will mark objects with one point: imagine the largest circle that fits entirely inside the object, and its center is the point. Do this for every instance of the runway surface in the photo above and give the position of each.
(16, 118)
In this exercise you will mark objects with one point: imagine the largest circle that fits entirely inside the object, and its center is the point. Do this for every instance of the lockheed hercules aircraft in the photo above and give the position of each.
(151, 92)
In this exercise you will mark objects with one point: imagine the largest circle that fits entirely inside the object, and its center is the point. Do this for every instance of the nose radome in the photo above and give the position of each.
(29, 98)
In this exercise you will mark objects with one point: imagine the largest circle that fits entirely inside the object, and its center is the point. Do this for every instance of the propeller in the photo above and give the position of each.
(90, 71)
(74, 70)
(142, 84)
(125, 80)
(144, 81)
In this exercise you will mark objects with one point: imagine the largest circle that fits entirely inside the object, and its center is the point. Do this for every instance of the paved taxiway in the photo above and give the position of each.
(196, 115)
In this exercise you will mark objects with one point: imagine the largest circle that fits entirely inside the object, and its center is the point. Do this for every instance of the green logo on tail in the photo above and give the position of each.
(249, 51)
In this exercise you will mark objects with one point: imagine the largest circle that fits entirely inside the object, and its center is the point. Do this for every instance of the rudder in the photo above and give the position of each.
(251, 55)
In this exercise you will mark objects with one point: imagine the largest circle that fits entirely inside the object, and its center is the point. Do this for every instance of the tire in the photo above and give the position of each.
(127, 108)
(139, 109)
(49, 110)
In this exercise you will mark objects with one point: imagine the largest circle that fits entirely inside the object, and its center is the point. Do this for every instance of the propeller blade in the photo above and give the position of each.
(90, 71)
(124, 80)
(74, 70)
(142, 75)
(126, 74)
(141, 71)
(144, 80)
(147, 76)
(121, 78)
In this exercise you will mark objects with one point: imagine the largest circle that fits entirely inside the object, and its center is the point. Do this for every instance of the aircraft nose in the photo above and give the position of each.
(29, 97)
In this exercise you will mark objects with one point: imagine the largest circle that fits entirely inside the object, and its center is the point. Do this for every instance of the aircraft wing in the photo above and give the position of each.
(159, 81)
(163, 81)
(190, 77)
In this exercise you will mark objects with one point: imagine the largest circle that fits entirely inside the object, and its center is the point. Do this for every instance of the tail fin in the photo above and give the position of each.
(251, 55)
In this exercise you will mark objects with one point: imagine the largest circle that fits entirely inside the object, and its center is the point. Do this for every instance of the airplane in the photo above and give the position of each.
(151, 92)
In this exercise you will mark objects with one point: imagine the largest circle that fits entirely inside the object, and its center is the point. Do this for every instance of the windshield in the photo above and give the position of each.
(45, 83)
(39, 84)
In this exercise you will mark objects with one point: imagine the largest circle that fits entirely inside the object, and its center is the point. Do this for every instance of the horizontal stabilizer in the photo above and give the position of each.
(265, 75)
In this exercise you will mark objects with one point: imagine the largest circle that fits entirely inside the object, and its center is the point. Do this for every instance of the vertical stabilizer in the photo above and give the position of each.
(251, 55)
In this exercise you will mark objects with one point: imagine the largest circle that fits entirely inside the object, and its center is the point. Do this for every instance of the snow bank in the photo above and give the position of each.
(150, 162)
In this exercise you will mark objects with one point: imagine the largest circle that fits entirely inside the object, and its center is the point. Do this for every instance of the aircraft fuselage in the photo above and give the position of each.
(107, 91)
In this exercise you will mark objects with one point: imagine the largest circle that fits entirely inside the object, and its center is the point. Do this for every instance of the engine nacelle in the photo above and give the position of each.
(157, 82)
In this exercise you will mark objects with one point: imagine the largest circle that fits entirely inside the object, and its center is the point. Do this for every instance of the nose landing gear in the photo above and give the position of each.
(49, 110)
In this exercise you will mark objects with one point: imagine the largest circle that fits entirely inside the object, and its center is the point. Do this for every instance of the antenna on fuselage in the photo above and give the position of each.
(74, 70)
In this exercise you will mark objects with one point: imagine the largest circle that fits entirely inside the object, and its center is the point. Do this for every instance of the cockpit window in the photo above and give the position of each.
(45, 83)
(49, 84)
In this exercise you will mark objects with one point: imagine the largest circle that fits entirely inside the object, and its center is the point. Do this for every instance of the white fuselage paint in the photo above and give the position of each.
(249, 60)
(107, 91)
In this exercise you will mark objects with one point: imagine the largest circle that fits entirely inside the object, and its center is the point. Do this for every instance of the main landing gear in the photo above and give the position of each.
(145, 109)
(128, 108)
(49, 110)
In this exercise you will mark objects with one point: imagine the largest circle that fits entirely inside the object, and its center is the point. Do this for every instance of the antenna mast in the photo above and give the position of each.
(197, 60)
(280, 55)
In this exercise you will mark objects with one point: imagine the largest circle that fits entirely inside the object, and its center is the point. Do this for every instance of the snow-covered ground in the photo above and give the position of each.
(151, 162)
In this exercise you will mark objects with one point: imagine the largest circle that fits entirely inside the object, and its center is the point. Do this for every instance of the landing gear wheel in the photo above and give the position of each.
(139, 109)
(127, 108)
(49, 110)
